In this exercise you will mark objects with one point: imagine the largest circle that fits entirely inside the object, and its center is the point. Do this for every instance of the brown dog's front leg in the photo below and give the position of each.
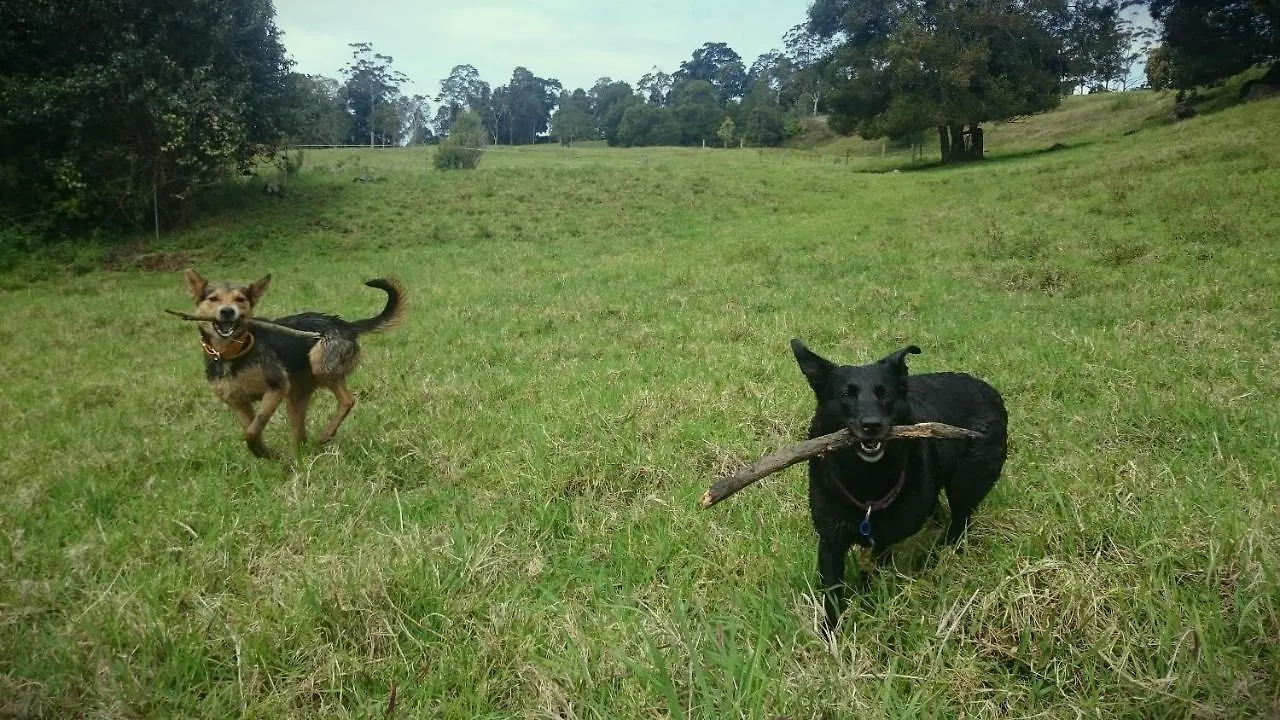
(253, 433)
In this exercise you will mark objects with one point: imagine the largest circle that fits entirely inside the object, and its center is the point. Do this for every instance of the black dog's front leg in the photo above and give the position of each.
(831, 572)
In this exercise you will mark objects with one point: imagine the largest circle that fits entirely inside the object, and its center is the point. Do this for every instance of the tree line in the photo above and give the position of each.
(149, 104)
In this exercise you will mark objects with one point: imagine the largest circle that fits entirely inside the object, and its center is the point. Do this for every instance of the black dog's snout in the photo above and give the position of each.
(872, 426)
(227, 313)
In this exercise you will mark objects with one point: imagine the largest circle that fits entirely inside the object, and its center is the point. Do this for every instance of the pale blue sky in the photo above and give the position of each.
(574, 41)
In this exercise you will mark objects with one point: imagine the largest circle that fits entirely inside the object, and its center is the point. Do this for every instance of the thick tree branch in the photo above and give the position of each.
(792, 454)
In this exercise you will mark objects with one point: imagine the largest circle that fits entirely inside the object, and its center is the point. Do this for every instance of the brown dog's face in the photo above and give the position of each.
(230, 306)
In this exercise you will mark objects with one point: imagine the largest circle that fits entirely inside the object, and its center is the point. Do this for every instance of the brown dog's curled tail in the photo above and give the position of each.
(391, 314)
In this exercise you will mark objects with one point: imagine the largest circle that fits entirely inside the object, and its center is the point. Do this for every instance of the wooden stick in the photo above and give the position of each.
(267, 324)
(792, 454)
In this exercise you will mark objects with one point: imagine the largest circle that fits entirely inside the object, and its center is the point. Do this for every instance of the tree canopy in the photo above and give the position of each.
(903, 66)
(522, 108)
(1205, 41)
(142, 108)
(573, 119)
(372, 84)
(718, 65)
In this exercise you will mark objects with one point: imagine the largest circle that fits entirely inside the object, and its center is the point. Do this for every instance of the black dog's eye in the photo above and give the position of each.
(851, 390)
(881, 392)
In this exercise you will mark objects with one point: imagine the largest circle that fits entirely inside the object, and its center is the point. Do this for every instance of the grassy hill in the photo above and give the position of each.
(505, 526)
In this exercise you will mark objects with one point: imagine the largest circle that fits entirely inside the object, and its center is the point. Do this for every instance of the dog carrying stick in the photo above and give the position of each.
(267, 324)
(792, 454)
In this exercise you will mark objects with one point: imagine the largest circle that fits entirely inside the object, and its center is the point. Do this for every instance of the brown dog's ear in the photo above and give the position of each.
(195, 284)
(816, 368)
(258, 289)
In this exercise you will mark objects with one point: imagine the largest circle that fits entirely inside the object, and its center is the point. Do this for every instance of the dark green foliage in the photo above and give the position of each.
(810, 53)
(717, 64)
(103, 103)
(655, 87)
(318, 113)
(464, 147)
(779, 73)
(1206, 41)
(1159, 71)
(908, 65)
(573, 120)
(522, 108)
(463, 90)
(646, 124)
(1095, 43)
(371, 91)
(765, 123)
(696, 108)
(609, 101)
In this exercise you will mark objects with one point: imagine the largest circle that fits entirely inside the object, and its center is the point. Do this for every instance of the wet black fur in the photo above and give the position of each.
(868, 400)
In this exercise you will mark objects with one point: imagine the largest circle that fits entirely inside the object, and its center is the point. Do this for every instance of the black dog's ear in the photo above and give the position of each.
(816, 368)
(898, 358)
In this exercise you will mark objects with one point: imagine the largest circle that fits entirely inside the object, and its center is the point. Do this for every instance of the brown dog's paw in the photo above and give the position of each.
(259, 448)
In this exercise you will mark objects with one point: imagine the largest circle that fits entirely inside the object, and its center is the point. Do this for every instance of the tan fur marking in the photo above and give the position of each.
(346, 401)
(333, 358)
(246, 386)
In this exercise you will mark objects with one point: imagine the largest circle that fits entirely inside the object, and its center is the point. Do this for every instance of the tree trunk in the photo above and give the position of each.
(975, 142)
(960, 144)
(958, 150)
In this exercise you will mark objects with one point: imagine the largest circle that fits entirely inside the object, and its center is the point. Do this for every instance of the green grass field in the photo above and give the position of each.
(506, 524)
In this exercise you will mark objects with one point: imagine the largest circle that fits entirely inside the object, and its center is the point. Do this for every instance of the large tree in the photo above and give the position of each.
(609, 100)
(371, 82)
(1205, 41)
(461, 91)
(113, 111)
(764, 122)
(697, 108)
(908, 65)
(573, 120)
(522, 108)
(717, 64)
(779, 74)
(318, 113)
(1095, 43)
(655, 86)
(810, 53)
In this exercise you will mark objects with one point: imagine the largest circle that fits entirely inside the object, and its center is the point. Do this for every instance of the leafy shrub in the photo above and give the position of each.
(464, 147)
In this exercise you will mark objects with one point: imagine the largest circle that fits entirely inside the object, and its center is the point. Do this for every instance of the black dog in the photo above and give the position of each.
(880, 491)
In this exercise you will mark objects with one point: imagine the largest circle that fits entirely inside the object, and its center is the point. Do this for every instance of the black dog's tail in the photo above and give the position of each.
(391, 314)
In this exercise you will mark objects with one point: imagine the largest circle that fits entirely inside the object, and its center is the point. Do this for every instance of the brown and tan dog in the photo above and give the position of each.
(245, 365)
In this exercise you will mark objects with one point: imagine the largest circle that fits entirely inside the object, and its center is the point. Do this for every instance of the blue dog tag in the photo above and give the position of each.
(865, 526)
